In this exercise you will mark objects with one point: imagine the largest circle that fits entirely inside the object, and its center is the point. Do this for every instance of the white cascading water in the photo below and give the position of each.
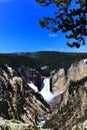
(45, 92)
(31, 85)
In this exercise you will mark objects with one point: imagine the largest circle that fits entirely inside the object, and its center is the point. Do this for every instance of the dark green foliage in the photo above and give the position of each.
(15, 60)
(53, 60)
(75, 85)
(70, 18)
(4, 108)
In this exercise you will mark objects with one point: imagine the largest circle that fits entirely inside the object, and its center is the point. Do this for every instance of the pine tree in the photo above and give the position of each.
(70, 18)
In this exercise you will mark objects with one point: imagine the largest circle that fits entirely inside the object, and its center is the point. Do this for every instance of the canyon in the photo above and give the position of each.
(31, 101)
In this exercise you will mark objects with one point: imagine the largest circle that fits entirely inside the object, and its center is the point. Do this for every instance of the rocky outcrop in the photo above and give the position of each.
(13, 125)
(62, 78)
(77, 70)
(29, 74)
(17, 99)
(71, 107)
(16, 125)
(80, 126)
(59, 80)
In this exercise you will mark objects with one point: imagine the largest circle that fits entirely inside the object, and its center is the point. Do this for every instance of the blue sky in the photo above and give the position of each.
(20, 30)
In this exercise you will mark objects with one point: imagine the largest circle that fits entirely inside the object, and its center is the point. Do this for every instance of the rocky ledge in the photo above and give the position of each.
(16, 125)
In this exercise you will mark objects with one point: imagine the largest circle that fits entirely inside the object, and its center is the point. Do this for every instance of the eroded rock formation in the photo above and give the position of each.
(17, 99)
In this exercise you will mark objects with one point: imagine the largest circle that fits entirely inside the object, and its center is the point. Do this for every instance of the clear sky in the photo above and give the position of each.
(20, 30)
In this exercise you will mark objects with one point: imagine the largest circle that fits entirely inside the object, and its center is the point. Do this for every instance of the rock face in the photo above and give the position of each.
(62, 79)
(29, 74)
(80, 126)
(77, 70)
(70, 110)
(59, 80)
(16, 125)
(13, 125)
(17, 99)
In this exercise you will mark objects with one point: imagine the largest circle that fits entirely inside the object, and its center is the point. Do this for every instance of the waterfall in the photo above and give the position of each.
(45, 90)
(45, 86)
